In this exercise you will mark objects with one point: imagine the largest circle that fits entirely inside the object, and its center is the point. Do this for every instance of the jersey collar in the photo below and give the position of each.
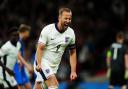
(58, 29)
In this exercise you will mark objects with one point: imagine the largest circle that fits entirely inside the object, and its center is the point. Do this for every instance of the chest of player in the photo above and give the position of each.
(61, 39)
(13, 52)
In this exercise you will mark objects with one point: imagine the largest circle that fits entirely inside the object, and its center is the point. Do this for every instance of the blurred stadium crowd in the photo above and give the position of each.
(95, 23)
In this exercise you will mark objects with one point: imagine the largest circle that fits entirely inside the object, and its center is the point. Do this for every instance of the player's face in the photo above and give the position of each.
(15, 37)
(26, 34)
(121, 41)
(65, 19)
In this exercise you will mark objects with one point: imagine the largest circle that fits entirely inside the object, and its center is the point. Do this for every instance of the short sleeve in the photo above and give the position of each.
(43, 36)
(72, 43)
(4, 50)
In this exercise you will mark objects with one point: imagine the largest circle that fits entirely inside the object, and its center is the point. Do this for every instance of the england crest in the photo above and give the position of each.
(66, 39)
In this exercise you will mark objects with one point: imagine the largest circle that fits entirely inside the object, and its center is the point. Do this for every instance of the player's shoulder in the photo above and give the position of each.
(7, 45)
(18, 44)
(117, 45)
(48, 27)
(70, 30)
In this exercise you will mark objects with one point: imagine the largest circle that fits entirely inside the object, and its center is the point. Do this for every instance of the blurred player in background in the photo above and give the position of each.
(19, 69)
(117, 62)
(9, 53)
(52, 42)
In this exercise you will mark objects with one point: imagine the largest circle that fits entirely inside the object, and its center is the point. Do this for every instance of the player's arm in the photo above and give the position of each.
(73, 63)
(22, 60)
(73, 58)
(126, 65)
(126, 61)
(40, 47)
(6, 68)
(108, 58)
(39, 52)
(108, 62)
(3, 51)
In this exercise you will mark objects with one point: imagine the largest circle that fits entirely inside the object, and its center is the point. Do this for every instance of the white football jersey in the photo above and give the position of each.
(55, 43)
(11, 53)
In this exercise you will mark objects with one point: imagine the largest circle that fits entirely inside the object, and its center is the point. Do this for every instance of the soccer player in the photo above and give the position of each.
(19, 69)
(9, 53)
(117, 62)
(52, 42)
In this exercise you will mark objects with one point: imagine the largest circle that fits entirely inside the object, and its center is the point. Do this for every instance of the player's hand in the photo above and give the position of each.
(73, 76)
(126, 74)
(20, 64)
(29, 67)
(39, 68)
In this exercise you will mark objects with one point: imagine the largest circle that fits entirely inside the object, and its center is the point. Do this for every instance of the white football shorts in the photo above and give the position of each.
(46, 71)
(10, 79)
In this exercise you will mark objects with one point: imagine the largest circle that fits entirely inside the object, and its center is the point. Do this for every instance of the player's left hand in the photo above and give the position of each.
(73, 76)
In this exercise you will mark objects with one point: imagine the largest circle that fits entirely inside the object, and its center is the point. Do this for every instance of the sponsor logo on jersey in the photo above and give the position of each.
(52, 39)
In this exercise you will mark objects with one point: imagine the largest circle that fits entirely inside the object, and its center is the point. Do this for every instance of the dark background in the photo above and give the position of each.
(95, 23)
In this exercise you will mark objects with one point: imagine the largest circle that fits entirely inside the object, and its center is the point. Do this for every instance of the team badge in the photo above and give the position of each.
(47, 71)
(66, 39)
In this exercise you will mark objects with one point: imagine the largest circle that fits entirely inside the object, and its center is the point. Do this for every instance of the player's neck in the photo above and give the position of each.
(21, 36)
(13, 42)
(59, 28)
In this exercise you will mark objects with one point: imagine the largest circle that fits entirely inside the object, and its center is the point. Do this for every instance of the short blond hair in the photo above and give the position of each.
(61, 10)
(24, 27)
